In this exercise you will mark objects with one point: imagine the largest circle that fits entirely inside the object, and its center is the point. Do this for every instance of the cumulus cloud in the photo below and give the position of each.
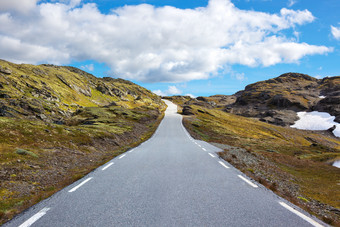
(153, 44)
(89, 67)
(17, 5)
(335, 32)
(172, 90)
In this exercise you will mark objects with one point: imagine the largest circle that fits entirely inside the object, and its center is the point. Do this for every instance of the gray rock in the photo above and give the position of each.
(5, 71)
(187, 110)
(62, 79)
(331, 129)
(4, 96)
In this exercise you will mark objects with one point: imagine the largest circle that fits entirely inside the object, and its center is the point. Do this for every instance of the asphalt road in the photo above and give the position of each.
(170, 180)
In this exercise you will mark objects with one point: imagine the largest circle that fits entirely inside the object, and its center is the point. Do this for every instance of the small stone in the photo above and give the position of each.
(332, 128)
(42, 116)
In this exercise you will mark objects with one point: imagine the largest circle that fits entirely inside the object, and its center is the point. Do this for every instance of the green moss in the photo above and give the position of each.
(25, 152)
(303, 199)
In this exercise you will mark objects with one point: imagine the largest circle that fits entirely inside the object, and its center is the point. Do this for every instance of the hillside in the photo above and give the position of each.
(54, 93)
(295, 164)
(59, 123)
(277, 100)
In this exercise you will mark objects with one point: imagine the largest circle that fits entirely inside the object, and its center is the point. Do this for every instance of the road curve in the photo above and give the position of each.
(169, 180)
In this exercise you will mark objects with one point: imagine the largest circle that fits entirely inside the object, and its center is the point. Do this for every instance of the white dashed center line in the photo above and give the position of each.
(35, 217)
(204, 149)
(212, 155)
(224, 165)
(248, 181)
(122, 156)
(107, 166)
(304, 217)
(81, 184)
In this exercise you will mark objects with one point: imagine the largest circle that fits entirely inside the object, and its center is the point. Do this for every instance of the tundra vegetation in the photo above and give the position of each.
(59, 123)
(295, 164)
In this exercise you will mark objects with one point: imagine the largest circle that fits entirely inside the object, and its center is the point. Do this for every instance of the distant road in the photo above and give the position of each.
(170, 180)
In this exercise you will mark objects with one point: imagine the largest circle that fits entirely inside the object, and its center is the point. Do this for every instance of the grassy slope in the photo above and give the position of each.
(38, 158)
(302, 156)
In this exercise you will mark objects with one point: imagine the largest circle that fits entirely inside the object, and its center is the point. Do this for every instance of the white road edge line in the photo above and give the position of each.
(122, 156)
(35, 217)
(81, 184)
(107, 166)
(204, 149)
(131, 151)
(248, 181)
(224, 165)
(212, 155)
(304, 217)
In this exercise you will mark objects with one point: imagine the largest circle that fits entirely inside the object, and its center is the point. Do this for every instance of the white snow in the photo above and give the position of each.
(336, 164)
(322, 97)
(316, 121)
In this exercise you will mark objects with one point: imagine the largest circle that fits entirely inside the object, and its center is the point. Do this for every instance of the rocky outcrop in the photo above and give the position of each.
(331, 105)
(5, 71)
(277, 100)
(187, 110)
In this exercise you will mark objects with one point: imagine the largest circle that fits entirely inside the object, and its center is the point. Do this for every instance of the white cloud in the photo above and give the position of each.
(291, 3)
(89, 67)
(172, 90)
(297, 35)
(11, 48)
(17, 5)
(335, 32)
(191, 95)
(153, 44)
(239, 76)
(159, 92)
(299, 17)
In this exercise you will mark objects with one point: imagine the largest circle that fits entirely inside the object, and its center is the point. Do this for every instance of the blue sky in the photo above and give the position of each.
(196, 47)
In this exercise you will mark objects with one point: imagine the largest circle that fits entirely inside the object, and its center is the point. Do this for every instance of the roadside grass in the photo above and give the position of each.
(304, 155)
(38, 159)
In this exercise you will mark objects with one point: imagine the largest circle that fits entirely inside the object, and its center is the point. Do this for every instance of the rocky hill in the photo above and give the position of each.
(57, 94)
(277, 100)
(59, 123)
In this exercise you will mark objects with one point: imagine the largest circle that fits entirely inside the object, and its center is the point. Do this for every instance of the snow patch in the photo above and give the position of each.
(336, 164)
(322, 97)
(316, 121)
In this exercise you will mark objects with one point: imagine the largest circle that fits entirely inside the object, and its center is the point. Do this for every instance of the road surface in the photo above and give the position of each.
(169, 180)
